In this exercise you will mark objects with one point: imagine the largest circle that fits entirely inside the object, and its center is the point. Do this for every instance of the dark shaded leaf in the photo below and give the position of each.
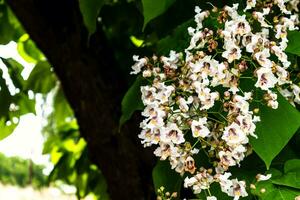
(90, 10)
(163, 175)
(154, 8)
(132, 100)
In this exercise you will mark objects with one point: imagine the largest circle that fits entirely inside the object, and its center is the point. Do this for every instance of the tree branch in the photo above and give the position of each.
(94, 89)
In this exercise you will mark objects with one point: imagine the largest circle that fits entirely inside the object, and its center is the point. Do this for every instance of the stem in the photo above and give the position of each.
(209, 192)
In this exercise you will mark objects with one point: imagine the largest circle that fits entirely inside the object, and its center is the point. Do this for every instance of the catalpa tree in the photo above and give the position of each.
(213, 92)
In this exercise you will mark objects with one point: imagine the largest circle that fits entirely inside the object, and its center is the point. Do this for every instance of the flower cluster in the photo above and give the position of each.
(202, 100)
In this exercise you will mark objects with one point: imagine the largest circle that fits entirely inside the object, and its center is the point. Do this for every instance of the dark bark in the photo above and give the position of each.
(94, 89)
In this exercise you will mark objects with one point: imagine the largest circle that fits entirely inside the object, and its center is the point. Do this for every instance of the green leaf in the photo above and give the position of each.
(272, 191)
(163, 175)
(275, 129)
(154, 8)
(279, 193)
(6, 130)
(291, 179)
(132, 100)
(293, 45)
(291, 176)
(41, 79)
(90, 10)
(28, 50)
(10, 28)
(15, 70)
(62, 109)
(5, 98)
(178, 40)
(25, 104)
(292, 166)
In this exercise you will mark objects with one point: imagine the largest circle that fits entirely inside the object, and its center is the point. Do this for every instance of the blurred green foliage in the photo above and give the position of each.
(20, 172)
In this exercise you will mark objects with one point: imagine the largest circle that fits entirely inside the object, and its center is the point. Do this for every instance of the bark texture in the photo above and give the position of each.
(94, 89)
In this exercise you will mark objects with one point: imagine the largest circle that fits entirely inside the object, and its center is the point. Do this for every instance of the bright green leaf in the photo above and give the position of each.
(275, 129)
(293, 45)
(291, 179)
(137, 42)
(292, 166)
(291, 176)
(154, 8)
(90, 10)
(274, 192)
(6, 130)
(28, 50)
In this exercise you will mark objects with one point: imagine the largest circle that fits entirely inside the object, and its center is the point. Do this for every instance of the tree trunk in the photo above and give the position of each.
(94, 89)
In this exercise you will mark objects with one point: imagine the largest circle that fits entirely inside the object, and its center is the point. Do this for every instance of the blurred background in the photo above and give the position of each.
(26, 165)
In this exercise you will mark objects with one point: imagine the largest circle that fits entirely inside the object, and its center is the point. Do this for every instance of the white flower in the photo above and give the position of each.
(177, 163)
(209, 100)
(232, 52)
(172, 60)
(171, 133)
(199, 128)
(148, 94)
(199, 65)
(234, 135)
(261, 177)
(280, 54)
(198, 36)
(246, 124)
(238, 189)
(272, 102)
(153, 110)
(225, 183)
(183, 104)
(138, 65)
(233, 188)
(238, 26)
(163, 92)
(294, 4)
(262, 58)
(201, 181)
(211, 198)
(200, 16)
(165, 150)
(296, 91)
(266, 78)
(152, 122)
(250, 4)
(219, 74)
(232, 11)
(241, 104)
(282, 75)
(260, 17)
(281, 5)
(238, 153)
(150, 137)
(206, 97)
(226, 158)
